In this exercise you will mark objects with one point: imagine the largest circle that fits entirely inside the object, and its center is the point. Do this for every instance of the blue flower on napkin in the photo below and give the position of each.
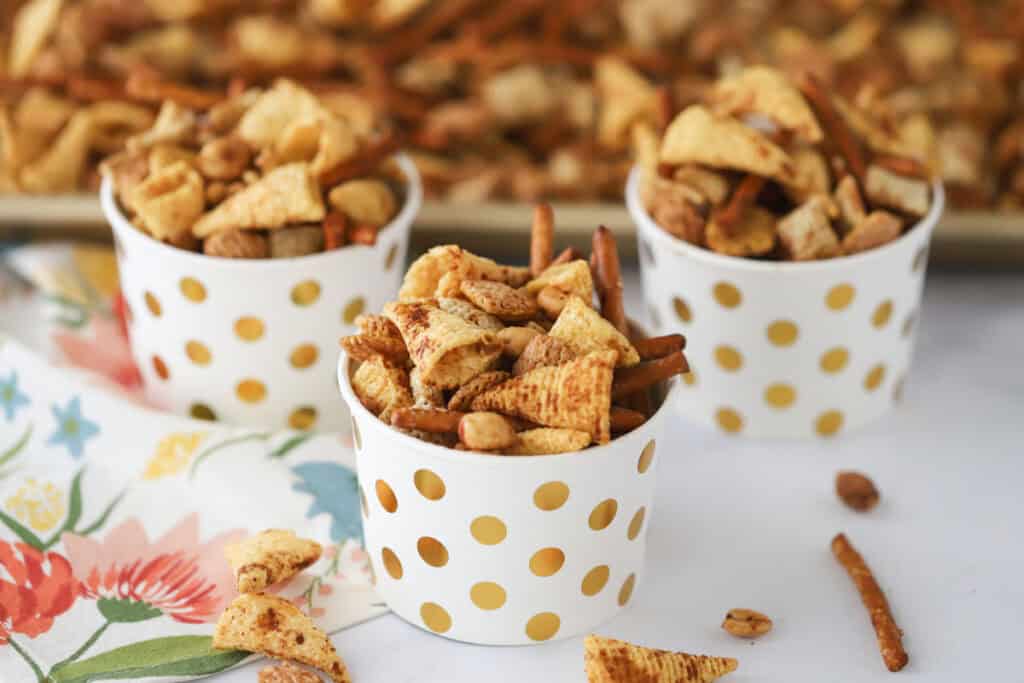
(73, 430)
(10, 398)
(335, 491)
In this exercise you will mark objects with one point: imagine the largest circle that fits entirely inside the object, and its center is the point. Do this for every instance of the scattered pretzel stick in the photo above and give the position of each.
(505, 17)
(94, 89)
(847, 146)
(626, 420)
(904, 166)
(659, 347)
(376, 151)
(631, 380)
(743, 197)
(404, 43)
(362, 233)
(567, 255)
(606, 257)
(664, 107)
(145, 87)
(432, 420)
(542, 234)
(334, 227)
(888, 633)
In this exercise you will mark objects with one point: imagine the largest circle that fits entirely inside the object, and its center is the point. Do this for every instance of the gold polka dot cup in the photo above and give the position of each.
(786, 349)
(504, 550)
(252, 342)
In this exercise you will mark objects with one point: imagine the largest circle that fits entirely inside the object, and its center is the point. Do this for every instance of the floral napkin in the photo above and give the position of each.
(114, 518)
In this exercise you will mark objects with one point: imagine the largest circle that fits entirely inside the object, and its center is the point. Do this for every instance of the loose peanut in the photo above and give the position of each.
(364, 201)
(224, 158)
(236, 244)
(486, 431)
(515, 339)
(746, 623)
(857, 491)
(552, 300)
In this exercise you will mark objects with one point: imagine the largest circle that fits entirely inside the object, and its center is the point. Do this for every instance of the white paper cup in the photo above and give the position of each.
(783, 349)
(504, 550)
(252, 342)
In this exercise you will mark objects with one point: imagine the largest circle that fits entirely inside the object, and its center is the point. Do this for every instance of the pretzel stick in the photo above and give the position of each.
(362, 233)
(888, 633)
(626, 420)
(631, 380)
(664, 107)
(334, 226)
(505, 17)
(432, 420)
(362, 165)
(742, 198)
(904, 166)
(567, 255)
(94, 89)
(659, 347)
(606, 257)
(835, 126)
(542, 234)
(402, 44)
(143, 86)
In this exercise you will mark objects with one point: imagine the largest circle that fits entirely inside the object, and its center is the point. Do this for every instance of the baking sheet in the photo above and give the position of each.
(969, 238)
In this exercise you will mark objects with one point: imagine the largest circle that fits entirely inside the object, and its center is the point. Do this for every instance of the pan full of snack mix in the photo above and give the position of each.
(787, 231)
(249, 235)
(506, 435)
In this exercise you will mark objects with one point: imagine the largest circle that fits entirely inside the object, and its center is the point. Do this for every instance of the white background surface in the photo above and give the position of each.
(740, 523)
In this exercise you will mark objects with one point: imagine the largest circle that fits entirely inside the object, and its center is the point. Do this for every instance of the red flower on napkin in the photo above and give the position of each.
(133, 579)
(41, 587)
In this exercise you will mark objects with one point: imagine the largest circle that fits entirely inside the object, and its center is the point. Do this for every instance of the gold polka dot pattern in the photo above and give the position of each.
(646, 456)
(435, 617)
(727, 295)
(782, 332)
(306, 293)
(251, 390)
(728, 358)
(488, 530)
(603, 514)
(682, 309)
(626, 592)
(429, 484)
(432, 551)
(543, 626)
(547, 561)
(551, 496)
(729, 420)
(595, 580)
(487, 595)
(192, 289)
(249, 328)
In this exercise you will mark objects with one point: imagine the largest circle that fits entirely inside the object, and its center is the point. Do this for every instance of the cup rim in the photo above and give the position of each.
(125, 230)
(436, 451)
(647, 226)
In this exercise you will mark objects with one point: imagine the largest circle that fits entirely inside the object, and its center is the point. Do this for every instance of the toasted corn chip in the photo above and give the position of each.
(515, 339)
(424, 276)
(272, 626)
(584, 330)
(33, 25)
(269, 557)
(626, 98)
(169, 202)
(572, 278)
(285, 195)
(382, 387)
(274, 110)
(753, 235)
(426, 395)
(900, 192)
(767, 91)
(575, 395)
(448, 350)
(364, 201)
(377, 326)
(806, 232)
(60, 168)
(614, 661)
(462, 400)
(698, 136)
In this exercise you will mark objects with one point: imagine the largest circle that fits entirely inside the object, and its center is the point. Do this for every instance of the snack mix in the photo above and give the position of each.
(484, 357)
(520, 99)
(262, 174)
(770, 168)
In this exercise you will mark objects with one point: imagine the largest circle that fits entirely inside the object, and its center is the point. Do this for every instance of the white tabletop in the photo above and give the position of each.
(741, 523)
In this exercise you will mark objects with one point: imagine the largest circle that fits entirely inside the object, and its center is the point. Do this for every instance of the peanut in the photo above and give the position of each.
(856, 491)
(224, 158)
(486, 431)
(552, 300)
(515, 339)
(364, 201)
(746, 623)
(236, 244)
